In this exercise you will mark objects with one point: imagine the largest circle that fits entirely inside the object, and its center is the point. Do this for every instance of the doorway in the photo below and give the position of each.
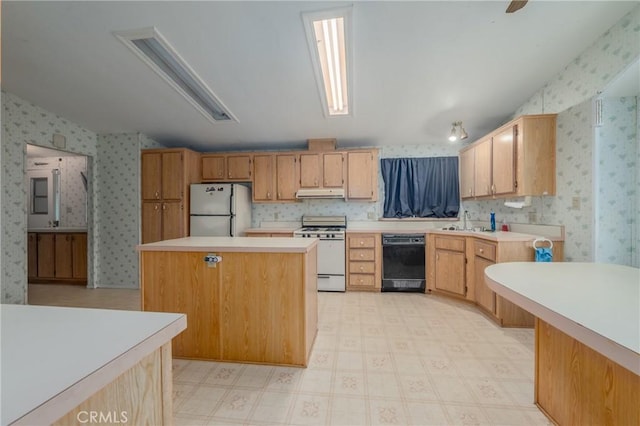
(58, 230)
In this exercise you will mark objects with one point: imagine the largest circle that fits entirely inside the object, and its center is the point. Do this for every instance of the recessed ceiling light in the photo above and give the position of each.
(329, 36)
(150, 46)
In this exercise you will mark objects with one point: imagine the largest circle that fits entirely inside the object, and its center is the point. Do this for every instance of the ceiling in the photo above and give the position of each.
(418, 66)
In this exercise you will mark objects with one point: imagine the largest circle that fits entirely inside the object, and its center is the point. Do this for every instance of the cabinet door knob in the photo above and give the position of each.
(164, 207)
(157, 194)
(155, 207)
(361, 242)
(361, 254)
(268, 195)
(481, 250)
(279, 196)
(361, 268)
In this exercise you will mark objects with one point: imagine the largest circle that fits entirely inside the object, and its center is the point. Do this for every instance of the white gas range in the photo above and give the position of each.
(330, 230)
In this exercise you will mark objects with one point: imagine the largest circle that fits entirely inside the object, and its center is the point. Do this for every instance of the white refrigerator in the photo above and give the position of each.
(220, 210)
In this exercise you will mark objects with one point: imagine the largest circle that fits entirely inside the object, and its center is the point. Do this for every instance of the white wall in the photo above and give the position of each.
(616, 213)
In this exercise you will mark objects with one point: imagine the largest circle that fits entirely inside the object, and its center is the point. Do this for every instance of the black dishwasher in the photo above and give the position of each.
(403, 262)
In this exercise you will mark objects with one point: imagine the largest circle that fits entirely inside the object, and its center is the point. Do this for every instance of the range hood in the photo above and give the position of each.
(320, 193)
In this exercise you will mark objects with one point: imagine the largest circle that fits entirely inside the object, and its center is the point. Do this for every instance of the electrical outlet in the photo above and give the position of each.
(371, 215)
(575, 203)
(276, 215)
(533, 217)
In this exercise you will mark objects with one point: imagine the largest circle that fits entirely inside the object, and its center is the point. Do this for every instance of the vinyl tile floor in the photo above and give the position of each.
(378, 358)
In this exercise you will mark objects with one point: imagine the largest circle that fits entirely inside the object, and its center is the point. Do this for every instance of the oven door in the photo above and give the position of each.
(331, 257)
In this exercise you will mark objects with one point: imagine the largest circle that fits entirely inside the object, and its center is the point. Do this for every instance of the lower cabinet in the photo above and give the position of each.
(59, 256)
(456, 264)
(449, 274)
(364, 260)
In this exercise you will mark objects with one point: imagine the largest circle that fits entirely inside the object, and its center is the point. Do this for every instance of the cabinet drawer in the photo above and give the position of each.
(365, 241)
(362, 280)
(361, 254)
(362, 267)
(486, 250)
(450, 243)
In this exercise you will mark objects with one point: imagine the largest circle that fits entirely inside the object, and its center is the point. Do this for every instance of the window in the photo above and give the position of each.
(421, 187)
(39, 195)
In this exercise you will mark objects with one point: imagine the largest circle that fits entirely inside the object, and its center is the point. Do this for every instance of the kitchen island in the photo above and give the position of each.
(61, 365)
(246, 299)
(587, 361)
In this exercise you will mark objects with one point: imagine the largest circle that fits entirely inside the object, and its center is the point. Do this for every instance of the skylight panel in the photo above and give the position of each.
(328, 35)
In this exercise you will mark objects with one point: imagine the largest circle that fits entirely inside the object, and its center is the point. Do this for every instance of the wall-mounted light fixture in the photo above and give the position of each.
(457, 132)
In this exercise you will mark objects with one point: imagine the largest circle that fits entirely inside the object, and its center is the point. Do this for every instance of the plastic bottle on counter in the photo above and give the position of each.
(493, 221)
(505, 227)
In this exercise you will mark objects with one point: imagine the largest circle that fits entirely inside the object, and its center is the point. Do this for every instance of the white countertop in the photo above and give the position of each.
(54, 358)
(597, 304)
(234, 244)
(58, 229)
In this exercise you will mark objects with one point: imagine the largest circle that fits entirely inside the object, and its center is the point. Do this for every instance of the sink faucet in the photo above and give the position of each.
(465, 217)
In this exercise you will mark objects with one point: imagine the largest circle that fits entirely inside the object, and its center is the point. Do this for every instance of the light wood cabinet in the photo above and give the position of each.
(467, 173)
(251, 307)
(239, 167)
(364, 262)
(362, 175)
(166, 176)
(484, 255)
(229, 167)
(322, 170)
(517, 159)
(275, 177)
(286, 177)
(482, 175)
(456, 264)
(214, 167)
(503, 164)
(450, 262)
(57, 257)
(333, 170)
(263, 177)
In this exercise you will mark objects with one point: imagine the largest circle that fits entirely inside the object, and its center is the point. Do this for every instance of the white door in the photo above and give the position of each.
(210, 226)
(211, 199)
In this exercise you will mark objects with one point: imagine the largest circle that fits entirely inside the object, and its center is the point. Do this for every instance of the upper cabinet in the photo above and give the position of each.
(234, 167)
(275, 177)
(166, 176)
(322, 170)
(362, 175)
(515, 160)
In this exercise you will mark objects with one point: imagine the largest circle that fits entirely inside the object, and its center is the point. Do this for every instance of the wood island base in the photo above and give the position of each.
(140, 395)
(576, 385)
